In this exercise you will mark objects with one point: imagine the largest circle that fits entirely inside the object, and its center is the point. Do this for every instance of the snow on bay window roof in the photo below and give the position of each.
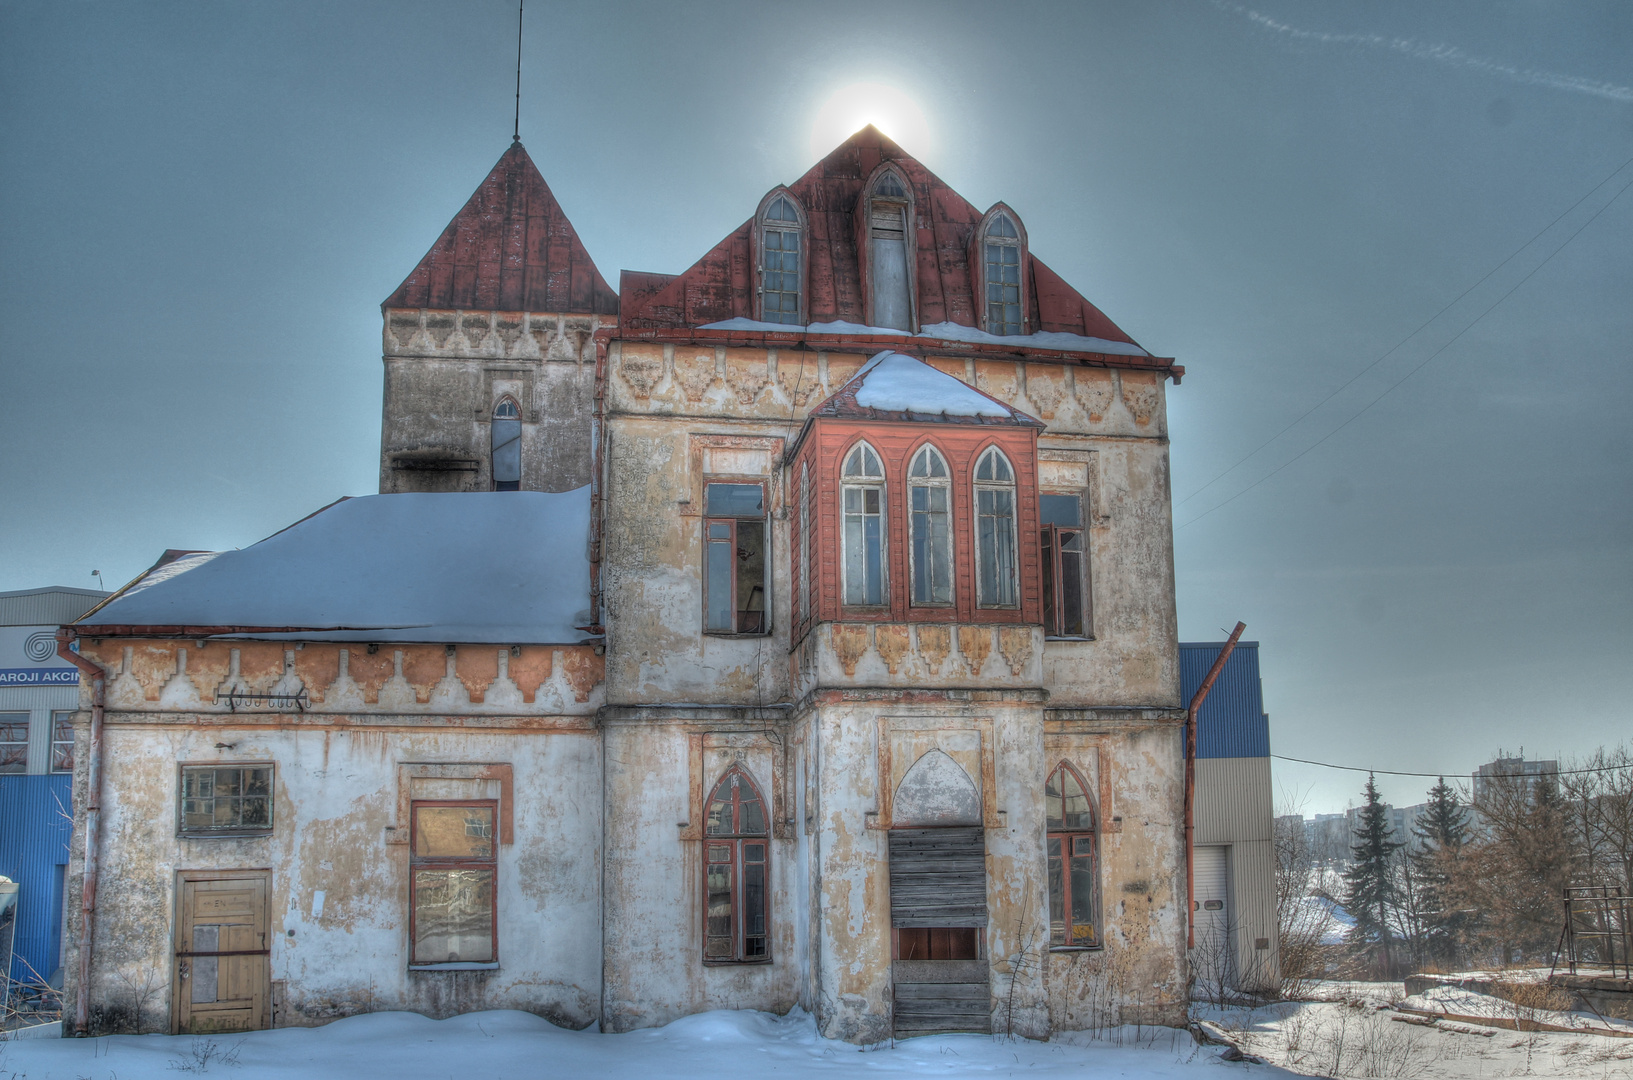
(894, 385)
(477, 567)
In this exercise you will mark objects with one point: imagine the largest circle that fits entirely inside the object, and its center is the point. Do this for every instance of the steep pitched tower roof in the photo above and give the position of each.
(511, 248)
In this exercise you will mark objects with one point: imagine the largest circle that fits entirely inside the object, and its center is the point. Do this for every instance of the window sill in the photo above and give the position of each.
(732, 634)
(224, 835)
(1077, 948)
(1068, 637)
(759, 962)
(494, 966)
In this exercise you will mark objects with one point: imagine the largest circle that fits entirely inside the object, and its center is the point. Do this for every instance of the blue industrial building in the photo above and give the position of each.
(39, 692)
(1235, 861)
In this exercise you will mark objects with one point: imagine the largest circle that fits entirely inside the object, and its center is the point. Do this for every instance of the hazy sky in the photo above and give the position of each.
(202, 206)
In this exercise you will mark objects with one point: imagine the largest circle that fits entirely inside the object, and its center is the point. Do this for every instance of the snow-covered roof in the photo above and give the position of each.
(898, 384)
(507, 567)
(945, 331)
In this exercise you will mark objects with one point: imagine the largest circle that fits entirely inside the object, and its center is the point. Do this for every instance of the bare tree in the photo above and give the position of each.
(1303, 916)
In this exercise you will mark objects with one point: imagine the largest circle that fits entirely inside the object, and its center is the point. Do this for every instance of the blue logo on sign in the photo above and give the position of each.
(39, 676)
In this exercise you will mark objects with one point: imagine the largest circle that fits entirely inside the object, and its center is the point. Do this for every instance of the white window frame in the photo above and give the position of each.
(1018, 242)
(764, 227)
(942, 483)
(1010, 486)
(863, 482)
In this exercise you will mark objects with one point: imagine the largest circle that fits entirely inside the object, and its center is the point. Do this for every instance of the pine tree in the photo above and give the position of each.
(1441, 831)
(1370, 882)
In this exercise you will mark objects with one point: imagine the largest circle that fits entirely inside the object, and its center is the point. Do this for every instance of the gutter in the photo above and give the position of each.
(1190, 781)
(93, 824)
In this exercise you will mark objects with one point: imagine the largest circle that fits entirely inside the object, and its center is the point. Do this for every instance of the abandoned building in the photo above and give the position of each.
(797, 630)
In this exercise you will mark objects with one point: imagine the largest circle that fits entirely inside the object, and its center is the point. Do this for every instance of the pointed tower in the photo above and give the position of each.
(489, 362)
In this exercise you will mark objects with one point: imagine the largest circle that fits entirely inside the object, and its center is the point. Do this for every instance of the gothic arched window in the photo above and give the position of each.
(1074, 891)
(862, 487)
(1001, 272)
(507, 446)
(737, 901)
(929, 490)
(890, 249)
(995, 530)
(781, 262)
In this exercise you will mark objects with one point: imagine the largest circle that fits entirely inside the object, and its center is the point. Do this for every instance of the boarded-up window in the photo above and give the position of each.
(737, 904)
(226, 800)
(453, 881)
(889, 215)
(938, 877)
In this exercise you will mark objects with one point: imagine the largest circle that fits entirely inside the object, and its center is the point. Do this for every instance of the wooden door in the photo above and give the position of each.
(938, 915)
(222, 969)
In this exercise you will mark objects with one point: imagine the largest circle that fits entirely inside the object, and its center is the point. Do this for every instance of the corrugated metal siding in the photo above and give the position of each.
(1253, 914)
(34, 834)
(46, 607)
(1232, 723)
(1233, 800)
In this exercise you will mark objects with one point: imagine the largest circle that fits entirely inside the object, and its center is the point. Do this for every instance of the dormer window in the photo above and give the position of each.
(995, 530)
(862, 487)
(890, 274)
(781, 262)
(506, 436)
(1000, 255)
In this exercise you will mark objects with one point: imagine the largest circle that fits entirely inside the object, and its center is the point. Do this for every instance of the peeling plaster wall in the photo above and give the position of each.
(653, 936)
(445, 372)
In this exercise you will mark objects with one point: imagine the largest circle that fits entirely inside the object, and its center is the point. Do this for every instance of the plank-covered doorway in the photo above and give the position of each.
(938, 919)
(222, 974)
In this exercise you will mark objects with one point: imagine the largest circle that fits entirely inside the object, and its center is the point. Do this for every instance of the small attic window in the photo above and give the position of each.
(781, 259)
(1001, 275)
(889, 244)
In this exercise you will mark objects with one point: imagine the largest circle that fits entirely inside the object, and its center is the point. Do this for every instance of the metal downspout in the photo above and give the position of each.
(1190, 781)
(93, 822)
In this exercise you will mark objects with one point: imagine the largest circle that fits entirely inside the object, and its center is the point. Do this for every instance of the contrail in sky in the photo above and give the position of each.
(1445, 54)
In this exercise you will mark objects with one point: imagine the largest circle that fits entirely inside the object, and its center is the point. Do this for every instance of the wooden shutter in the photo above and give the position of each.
(938, 877)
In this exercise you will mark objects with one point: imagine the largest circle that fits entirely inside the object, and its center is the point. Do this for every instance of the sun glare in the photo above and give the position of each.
(857, 105)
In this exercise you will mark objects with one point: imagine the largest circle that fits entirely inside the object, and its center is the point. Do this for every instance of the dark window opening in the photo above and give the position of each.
(229, 800)
(1065, 567)
(507, 446)
(737, 908)
(734, 585)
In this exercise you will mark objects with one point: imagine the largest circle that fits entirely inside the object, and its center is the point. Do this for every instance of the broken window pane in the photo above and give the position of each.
(226, 799)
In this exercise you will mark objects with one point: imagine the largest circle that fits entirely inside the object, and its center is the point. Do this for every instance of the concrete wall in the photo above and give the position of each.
(445, 372)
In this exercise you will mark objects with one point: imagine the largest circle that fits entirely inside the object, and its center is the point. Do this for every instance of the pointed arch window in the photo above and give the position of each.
(737, 913)
(929, 490)
(507, 446)
(890, 264)
(995, 530)
(781, 262)
(1001, 265)
(1074, 889)
(862, 489)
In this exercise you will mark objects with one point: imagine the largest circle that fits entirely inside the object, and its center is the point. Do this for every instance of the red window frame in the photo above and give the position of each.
(418, 862)
(734, 852)
(1063, 847)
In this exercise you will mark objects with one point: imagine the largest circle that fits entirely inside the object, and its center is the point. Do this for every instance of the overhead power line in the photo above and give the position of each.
(1387, 353)
(1442, 775)
(1423, 364)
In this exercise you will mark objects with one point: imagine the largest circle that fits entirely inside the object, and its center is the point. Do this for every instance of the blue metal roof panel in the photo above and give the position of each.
(1232, 723)
(35, 826)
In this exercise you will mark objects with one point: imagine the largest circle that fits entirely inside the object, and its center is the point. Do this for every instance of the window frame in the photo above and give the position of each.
(21, 764)
(1050, 563)
(864, 482)
(950, 546)
(764, 226)
(802, 573)
(493, 447)
(737, 839)
(978, 256)
(765, 541)
(61, 716)
(1012, 486)
(1068, 838)
(417, 862)
(211, 832)
(906, 202)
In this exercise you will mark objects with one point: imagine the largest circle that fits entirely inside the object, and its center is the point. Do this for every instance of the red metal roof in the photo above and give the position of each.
(509, 249)
(720, 285)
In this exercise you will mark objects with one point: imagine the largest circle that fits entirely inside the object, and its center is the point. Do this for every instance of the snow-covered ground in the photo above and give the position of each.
(1351, 1036)
(516, 1045)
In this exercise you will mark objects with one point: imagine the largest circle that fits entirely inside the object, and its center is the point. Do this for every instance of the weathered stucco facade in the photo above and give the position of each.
(740, 782)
